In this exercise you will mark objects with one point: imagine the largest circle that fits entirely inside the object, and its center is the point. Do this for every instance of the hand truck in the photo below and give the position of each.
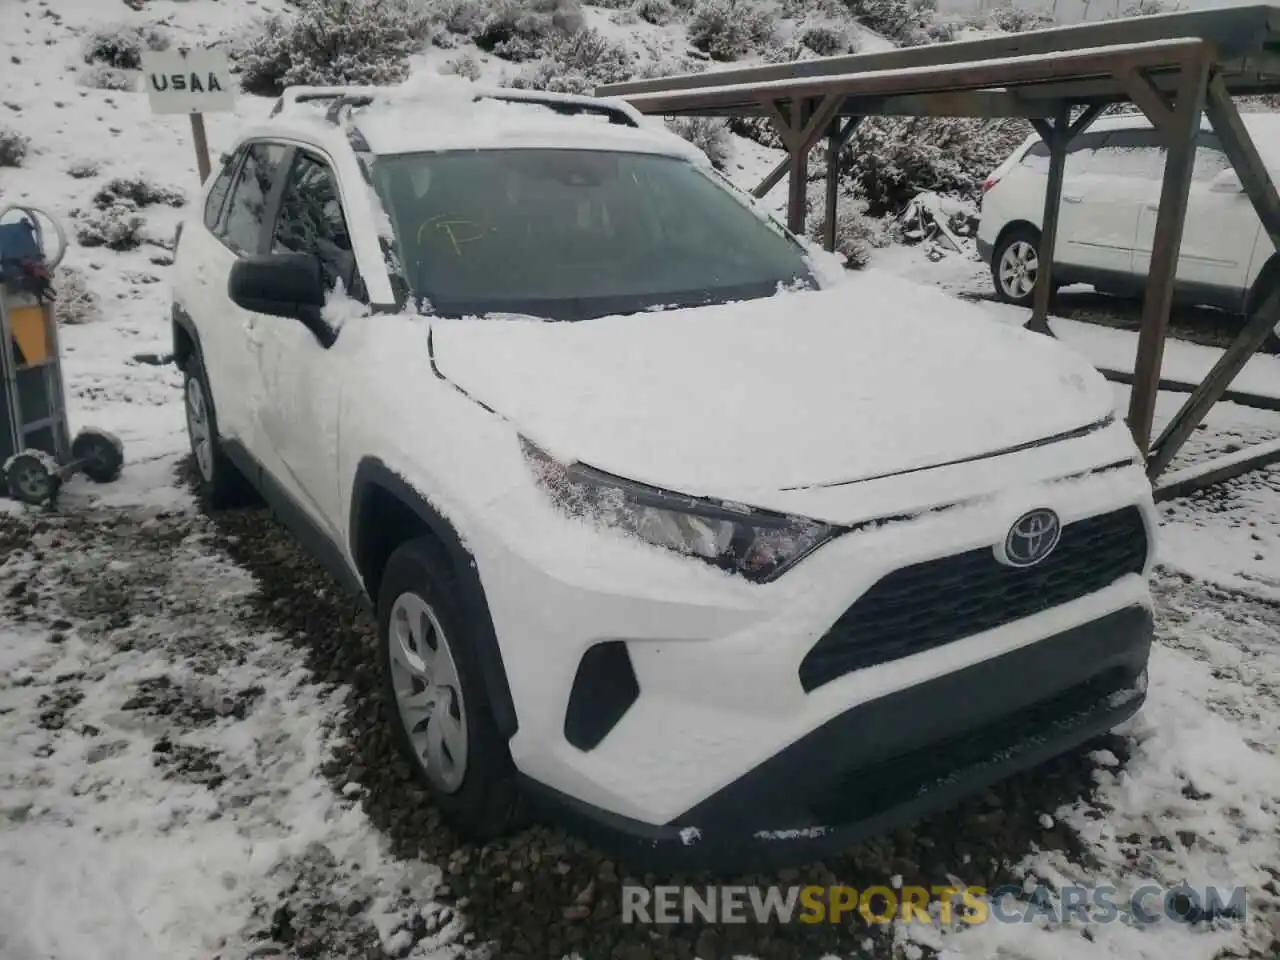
(36, 450)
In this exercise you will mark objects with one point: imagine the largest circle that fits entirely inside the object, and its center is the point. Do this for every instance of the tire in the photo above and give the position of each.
(1265, 282)
(219, 482)
(1016, 285)
(472, 779)
(102, 455)
(32, 478)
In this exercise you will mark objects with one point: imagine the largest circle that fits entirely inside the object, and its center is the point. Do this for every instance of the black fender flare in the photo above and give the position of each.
(374, 475)
(182, 324)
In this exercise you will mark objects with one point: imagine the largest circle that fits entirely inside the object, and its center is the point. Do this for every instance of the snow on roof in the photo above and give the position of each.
(436, 112)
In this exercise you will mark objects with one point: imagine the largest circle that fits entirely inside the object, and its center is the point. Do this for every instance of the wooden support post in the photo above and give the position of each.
(800, 127)
(201, 141)
(1057, 137)
(1180, 140)
(838, 137)
(797, 188)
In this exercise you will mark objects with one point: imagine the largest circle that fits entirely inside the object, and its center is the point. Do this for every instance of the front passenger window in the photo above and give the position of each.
(311, 221)
(244, 218)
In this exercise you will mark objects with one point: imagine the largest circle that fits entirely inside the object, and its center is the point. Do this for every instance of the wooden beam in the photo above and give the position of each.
(1180, 157)
(1257, 401)
(1188, 480)
(773, 179)
(1094, 63)
(1244, 157)
(1148, 98)
(1215, 383)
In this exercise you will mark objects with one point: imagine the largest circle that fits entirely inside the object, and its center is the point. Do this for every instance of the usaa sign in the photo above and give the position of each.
(188, 81)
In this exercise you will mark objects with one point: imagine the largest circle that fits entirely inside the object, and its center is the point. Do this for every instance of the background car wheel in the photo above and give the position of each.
(220, 483)
(435, 700)
(1015, 264)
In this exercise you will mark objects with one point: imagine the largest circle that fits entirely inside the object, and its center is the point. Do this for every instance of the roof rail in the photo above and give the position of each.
(296, 95)
(617, 112)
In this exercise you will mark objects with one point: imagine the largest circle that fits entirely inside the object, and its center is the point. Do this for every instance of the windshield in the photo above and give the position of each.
(574, 234)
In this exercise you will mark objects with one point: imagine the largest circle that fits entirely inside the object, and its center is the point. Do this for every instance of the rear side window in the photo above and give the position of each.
(248, 206)
(218, 194)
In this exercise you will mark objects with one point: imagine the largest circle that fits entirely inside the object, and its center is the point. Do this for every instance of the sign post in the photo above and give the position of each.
(194, 82)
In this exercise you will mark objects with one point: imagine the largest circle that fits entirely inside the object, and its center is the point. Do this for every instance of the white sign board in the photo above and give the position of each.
(188, 81)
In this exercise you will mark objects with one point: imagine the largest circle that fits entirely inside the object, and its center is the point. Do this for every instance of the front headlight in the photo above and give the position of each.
(757, 544)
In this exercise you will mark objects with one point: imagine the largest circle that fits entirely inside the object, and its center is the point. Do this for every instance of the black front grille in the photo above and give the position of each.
(933, 603)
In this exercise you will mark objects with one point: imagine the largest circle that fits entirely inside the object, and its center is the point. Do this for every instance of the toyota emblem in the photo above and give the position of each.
(1031, 538)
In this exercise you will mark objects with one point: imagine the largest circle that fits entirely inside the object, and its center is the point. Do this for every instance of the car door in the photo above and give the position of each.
(1098, 219)
(1220, 230)
(225, 329)
(297, 412)
(233, 221)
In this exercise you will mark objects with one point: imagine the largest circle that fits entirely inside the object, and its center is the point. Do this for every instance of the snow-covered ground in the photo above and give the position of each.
(165, 755)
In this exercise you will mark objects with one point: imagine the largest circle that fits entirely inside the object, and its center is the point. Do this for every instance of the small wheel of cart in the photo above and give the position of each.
(98, 454)
(32, 477)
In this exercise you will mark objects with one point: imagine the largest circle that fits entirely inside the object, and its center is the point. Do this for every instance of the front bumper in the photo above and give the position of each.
(984, 251)
(896, 758)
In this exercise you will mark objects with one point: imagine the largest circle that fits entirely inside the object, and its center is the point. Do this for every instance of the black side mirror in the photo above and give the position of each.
(282, 285)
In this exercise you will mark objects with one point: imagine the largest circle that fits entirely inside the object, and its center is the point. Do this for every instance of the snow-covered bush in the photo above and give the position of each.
(655, 11)
(74, 302)
(83, 169)
(1014, 20)
(708, 134)
(578, 64)
(462, 17)
(102, 77)
(825, 39)
(730, 29)
(118, 226)
(464, 66)
(138, 191)
(856, 233)
(517, 31)
(891, 159)
(121, 47)
(13, 147)
(1143, 8)
(329, 42)
(901, 20)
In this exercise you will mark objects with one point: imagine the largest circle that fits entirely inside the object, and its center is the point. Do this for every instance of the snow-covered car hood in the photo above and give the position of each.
(870, 377)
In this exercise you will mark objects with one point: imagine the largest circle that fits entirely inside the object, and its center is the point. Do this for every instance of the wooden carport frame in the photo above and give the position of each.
(1173, 67)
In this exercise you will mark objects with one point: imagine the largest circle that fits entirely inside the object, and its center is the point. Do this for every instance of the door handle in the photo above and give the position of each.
(1154, 207)
(1071, 198)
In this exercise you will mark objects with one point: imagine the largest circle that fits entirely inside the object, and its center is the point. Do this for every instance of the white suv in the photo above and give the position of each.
(670, 530)
(1107, 219)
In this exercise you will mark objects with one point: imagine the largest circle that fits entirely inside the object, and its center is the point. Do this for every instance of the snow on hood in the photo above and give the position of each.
(874, 376)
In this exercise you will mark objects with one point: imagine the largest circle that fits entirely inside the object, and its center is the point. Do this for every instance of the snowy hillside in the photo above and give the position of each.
(193, 763)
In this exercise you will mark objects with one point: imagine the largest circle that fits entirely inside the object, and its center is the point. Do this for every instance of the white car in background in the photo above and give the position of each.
(719, 557)
(1107, 220)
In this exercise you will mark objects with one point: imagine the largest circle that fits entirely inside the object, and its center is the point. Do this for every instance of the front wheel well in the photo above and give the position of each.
(184, 344)
(383, 522)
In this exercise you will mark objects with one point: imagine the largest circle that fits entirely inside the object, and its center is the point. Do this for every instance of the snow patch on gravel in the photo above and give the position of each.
(161, 793)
